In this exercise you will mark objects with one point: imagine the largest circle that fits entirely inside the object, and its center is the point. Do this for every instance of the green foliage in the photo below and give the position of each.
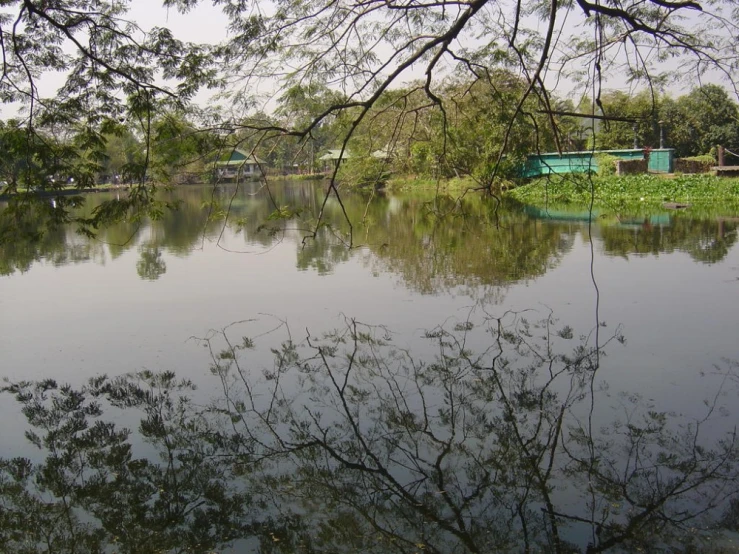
(707, 159)
(606, 164)
(336, 76)
(40, 162)
(692, 124)
(177, 146)
(643, 108)
(615, 193)
(703, 119)
(125, 105)
(301, 106)
(409, 183)
(422, 161)
(123, 153)
(100, 121)
(364, 172)
(482, 136)
(473, 129)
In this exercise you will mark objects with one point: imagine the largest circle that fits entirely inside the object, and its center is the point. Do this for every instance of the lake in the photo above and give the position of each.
(447, 374)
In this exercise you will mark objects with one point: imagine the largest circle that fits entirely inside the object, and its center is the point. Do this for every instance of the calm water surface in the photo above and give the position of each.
(139, 298)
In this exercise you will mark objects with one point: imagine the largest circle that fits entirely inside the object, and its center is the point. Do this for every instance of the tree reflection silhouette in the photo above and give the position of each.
(492, 438)
(91, 493)
(151, 265)
(432, 242)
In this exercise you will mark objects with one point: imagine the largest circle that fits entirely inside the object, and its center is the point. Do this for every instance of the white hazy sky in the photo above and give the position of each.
(207, 24)
(202, 24)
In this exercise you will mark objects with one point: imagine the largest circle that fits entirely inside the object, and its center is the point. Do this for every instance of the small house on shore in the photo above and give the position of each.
(333, 158)
(239, 165)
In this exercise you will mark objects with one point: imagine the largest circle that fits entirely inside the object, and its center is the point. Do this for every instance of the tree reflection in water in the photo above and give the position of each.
(432, 242)
(151, 266)
(91, 492)
(350, 444)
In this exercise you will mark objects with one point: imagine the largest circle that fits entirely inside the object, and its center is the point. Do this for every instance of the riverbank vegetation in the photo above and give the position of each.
(412, 102)
(474, 137)
(415, 182)
(611, 191)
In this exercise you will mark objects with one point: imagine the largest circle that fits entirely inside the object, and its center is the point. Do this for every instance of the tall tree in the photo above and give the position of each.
(298, 107)
(641, 120)
(701, 120)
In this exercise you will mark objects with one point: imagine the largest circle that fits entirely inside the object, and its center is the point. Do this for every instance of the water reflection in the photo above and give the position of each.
(90, 493)
(151, 266)
(706, 237)
(500, 436)
(434, 243)
(705, 240)
(24, 244)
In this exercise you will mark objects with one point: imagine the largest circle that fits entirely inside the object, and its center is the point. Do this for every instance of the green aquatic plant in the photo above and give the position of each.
(617, 192)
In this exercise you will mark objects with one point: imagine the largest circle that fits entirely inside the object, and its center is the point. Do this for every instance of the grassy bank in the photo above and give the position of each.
(299, 177)
(70, 189)
(412, 182)
(612, 192)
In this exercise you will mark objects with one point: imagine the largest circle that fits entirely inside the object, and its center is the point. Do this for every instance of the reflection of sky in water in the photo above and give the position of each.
(71, 322)
(97, 316)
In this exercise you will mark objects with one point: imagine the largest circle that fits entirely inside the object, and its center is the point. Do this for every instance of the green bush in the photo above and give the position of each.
(695, 164)
(630, 191)
(705, 158)
(421, 159)
(364, 172)
(606, 164)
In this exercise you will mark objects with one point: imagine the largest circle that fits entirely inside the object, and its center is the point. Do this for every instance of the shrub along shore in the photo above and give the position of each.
(610, 193)
(614, 191)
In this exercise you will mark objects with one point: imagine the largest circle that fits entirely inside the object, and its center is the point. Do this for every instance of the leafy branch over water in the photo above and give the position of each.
(496, 435)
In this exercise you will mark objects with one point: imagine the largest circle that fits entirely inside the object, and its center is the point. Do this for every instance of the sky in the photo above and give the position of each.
(204, 23)
(207, 24)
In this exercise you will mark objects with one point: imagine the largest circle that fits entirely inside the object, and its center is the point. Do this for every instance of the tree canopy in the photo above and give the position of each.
(328, 67)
